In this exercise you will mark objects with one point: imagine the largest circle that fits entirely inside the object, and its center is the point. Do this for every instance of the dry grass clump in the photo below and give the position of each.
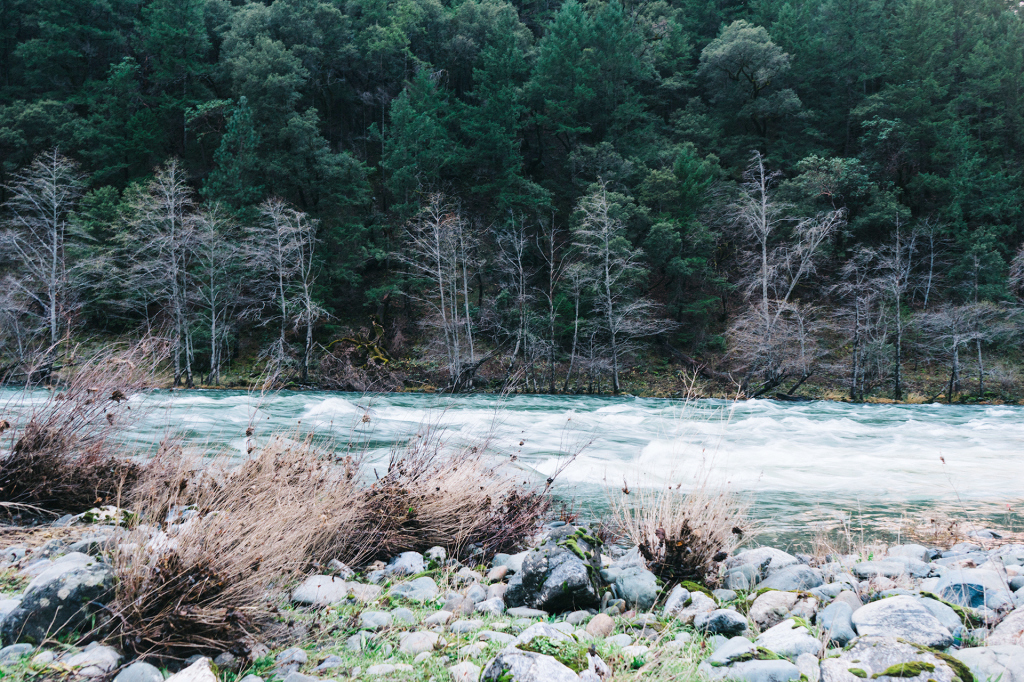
(434, 494)
(225, 538)
(61, 455)
(682, 535)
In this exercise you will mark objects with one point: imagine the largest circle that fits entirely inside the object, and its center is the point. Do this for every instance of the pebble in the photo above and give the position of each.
(461, 627)
(622, 640)
(413, 643)
(465, 672)
(497, 573)
(140, 671)
(493, 607)
(438, 618)
(374, 620)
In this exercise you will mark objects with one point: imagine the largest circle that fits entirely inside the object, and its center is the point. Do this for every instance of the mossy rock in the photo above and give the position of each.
(569, 654)
(696, 587)
(857, 672)
(908, 669)
(965, 616)
(959, 668)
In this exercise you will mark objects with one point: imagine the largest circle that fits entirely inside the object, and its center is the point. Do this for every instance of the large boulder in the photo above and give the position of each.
(871, 657)
(513, 665)
(974, 587)
(1003, 662)
(62, 599)
(903, 617)
(796, 577)
(563, 574)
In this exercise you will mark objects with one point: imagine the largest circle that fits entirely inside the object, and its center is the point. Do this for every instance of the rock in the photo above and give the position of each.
(945, 615)
(329, 663)
(406, 563)
(491, 636)
(753, 671)
(902, 617)
(461, 627)
(600, 626)
(439, 618)
(299, 677)
(849, 598)
(524, 612)
(14, 652)
(871, 656)
(320, 590)
(676, 602)
(638, 586)
(916, 552)
(891, 568)
(467, 575)
(365, 593)
(548, 630)
(721, 622)
(577, 617)
(836, 619)
(1003, 662)
(420, 589)
(197, 672)
(225, 660)
(340, 569)
(95, 661)
(497, 573)
(358, 641)
(622, 640)
(700, 604)
(374, 620)
(742, 577)
(381, 669)
(631, 653)
(798, 577)
(413, 643)
(555, 578)
(771, 608)
(61, 599)
(436, 555)
(465, 672)
(291, 659)
(403, 616)
(789, 640)
(827, 591)
(809, 667)
(1010, 630)
(974, 587)
(140, 671)
(473, 650)
(513, 562)
(776, 558)
(476, 593)
(251, 678)
(459, 605)
(724, 595)
(735, 648)
(494, 607)
(513, 665)
(805, 608)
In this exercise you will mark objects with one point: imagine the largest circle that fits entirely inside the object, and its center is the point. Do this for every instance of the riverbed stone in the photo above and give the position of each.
(438, 618)
(776, 559)
(902, 617)
(974, 587)
(721, 622)
(700, 604)
(320, 590)
(526, 666)
(943, 612)
(600, 625)
(676, 602)
(789, 640)
(1010, 630)
(836, 620)
(462, 627)
(735, 648)
(374, 620)
(465, 672)
(365, 593)
(772, 607)
(14, 652)
(406, 563)
(911, 551)
(1003, 662)
(197, 672)
(638, 586)
(796, 577)
(526, 612)
(413, 643)
(872, 655)
(547, 630)
(554, 578)
(420, 589)
(753, 671)
(61, 599)
(140, 671)
(95, 661)
(493, 607)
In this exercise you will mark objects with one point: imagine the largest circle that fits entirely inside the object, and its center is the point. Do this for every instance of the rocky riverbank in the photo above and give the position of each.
(564, 609)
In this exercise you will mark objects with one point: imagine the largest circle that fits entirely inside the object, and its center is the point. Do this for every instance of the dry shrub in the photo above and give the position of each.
(434, 494)
(203, 583)
(61, 455)
(682, 535)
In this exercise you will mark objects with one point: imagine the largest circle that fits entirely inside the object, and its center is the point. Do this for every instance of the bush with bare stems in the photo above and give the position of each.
(61, 455)
(682, 535)
(226, 537)
(436, 494)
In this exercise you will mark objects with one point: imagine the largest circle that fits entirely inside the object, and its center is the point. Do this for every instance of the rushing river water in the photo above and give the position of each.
(801, 463)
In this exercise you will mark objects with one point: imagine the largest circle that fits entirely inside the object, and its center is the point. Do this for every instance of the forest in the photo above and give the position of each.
(529, 195)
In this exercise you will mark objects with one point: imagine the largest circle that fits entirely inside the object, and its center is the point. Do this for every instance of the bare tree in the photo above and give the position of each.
(439, 249)
(42, 198)
(616, 274)
(578, 278)
(160, 247)
(859, 294)
(555, 264)
(516, 297)
(895, 265)
(218, 279)
(776, 264)
(950, 328)
(280, 250)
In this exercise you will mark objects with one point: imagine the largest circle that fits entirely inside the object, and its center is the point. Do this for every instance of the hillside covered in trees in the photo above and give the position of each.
(763, 191)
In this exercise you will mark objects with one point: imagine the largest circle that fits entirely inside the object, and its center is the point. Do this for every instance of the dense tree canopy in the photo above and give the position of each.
(355, 112)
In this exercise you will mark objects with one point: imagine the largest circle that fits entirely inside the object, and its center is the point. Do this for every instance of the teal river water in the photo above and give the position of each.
(802, 464)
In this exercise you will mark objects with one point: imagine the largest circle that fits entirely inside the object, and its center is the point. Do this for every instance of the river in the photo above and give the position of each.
(871, 467)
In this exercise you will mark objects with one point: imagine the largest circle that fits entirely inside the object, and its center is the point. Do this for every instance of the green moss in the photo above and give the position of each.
(589, 539)
(575, 548)
(694, 587)
(965, 616)
(569, 654)
(801, 622)
(959, 669)
(908, 669)
(857, 672)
